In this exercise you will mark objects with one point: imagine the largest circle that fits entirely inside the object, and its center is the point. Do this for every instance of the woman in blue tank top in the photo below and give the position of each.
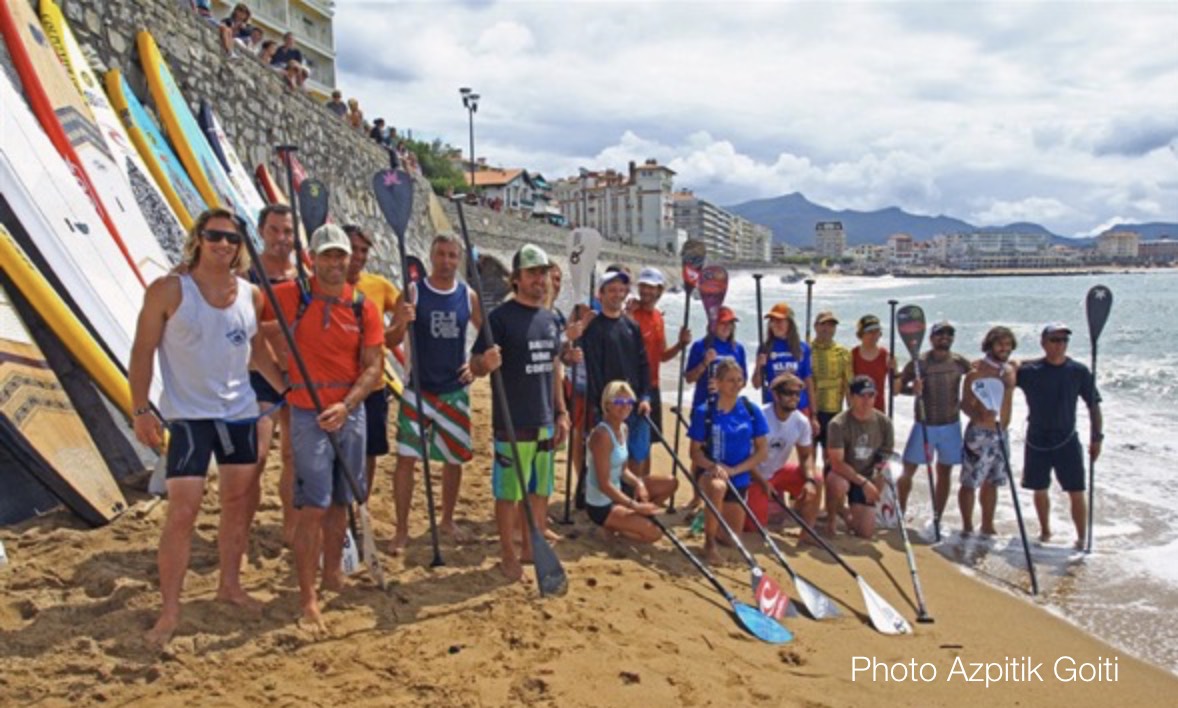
(615, 498)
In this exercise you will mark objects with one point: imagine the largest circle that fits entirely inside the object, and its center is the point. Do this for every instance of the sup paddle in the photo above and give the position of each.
(809, 302)
(883, 616)
(713, 288)
(990, 392)
(550, 576)
(817, 604)
(1097, 306)
(312, 201)
(760, 332)
(394, 195)
(692, 256)
(747, 616)
(584, 248)
(910, 321)
(891, 368)
(922, 614)
(771, 599)
(286, 155)
(348, 474)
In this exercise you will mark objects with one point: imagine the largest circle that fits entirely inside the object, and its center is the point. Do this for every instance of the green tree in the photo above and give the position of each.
(434, 158)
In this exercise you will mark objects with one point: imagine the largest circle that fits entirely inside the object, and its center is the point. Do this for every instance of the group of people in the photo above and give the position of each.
(229, 380)
(238, 37)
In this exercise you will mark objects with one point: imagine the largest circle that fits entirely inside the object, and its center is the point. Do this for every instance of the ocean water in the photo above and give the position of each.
(1126, 591)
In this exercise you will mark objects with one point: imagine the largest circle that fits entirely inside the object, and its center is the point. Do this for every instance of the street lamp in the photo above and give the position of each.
(470, 101)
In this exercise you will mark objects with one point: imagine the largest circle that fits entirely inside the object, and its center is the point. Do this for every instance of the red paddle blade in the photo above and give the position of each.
(713, 287)
(910, 324)
(693, 254)
(771, 599)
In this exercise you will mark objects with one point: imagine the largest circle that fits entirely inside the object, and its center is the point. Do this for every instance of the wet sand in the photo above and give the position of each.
(638, 625)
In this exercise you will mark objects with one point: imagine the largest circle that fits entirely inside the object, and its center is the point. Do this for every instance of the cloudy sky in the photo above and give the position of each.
(1061, 113)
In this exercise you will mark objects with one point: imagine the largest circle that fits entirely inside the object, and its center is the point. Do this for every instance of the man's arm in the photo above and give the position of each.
(404, 313)
(1096, 425)
(261, 356)
(680, 345)
(160, 300)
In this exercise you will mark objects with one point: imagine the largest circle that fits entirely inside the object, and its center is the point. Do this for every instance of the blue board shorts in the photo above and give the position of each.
(943, 440)
(319, 481)
(537, 458)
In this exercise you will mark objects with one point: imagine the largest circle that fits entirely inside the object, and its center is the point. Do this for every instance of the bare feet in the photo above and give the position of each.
(712, 556)
(804, 538)
(332, 581)
(456, 533)
(1045, 537)
(158, 636)
(966, 532)
(312, 623)
(551, 536)
(397, 545)
(989, 530)
(240, 598)
(511, 569)
(1079, 545)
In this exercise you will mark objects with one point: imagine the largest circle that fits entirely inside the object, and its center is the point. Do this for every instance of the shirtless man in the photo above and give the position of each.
(982, 457)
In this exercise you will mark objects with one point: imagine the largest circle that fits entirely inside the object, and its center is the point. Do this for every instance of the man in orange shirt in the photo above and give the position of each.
(649, 318)
(342, 354)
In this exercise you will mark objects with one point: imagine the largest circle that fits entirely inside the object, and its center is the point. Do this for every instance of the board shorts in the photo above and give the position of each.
(1067, 459)
(638, 438)
(944, 441)
(856, 496)
(263, 391)
(790, 479)
(376, 416)
(319, 480)
(537, 458)
(982, 458)
(598, 514)
(449, 426)
(194, 442)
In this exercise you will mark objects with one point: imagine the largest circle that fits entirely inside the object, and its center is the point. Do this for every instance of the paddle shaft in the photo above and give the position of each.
(682, 374)
(922, 614)
(568, 467)
(928, 452)
(1018, 512)
(892, 353)
(699, 565)
(760, 331)
(285, 153)
(809, 302)
(1091, 464)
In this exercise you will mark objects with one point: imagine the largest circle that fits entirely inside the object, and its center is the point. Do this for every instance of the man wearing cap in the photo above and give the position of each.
(859, 440)
(983, 454)
(342, 354)
(614, 351)
(439, 308)
(651, 284)
(1052, 385)
(935, 380)
(870, 359)
(527, 338)
(789, 430)
(384, 295)
(832, 374)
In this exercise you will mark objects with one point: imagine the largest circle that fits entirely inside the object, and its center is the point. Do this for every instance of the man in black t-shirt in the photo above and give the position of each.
(1052, 385)
(527, 350)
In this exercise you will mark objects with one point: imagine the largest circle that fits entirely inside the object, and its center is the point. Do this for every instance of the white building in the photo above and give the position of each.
(830, 241)
(311, 22)
(901, 249)
(1000, 249)
(635, 208)
(1118, 245)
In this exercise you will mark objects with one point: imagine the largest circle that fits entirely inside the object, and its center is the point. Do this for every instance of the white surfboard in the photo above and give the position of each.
(242, 183)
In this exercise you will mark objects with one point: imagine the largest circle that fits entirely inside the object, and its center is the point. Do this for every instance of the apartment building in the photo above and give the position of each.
(311, 22)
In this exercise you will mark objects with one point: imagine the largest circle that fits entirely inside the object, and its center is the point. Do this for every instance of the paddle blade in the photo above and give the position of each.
(415, 269)
(713, 287)
(394, 194)
(910, 324)
(549, 573)
(313, 198)
(989, 392)
(883, 616)
(764, 628)
(1100, 301)
(771, 599)
(584, 248)
(693, 254)
(818, 605)
(368, 545)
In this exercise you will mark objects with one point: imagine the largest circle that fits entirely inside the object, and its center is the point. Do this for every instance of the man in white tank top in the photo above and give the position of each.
(204, 326)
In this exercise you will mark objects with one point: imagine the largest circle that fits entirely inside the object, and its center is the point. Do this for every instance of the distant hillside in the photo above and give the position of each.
(792, 218)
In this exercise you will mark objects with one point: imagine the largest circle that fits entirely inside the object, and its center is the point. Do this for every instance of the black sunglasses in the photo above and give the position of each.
(784, 390)
(216, 236)
(1059, 340)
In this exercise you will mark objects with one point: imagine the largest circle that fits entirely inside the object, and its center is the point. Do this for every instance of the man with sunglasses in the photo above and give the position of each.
(203, 323)
(1052, 386)
(343, 359)
(935, 380)
(789, 430)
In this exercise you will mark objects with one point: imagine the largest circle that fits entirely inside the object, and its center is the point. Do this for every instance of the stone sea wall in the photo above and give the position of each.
(259, 112)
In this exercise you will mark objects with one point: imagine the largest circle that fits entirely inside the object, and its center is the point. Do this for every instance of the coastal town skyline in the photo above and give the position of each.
(1055, 113)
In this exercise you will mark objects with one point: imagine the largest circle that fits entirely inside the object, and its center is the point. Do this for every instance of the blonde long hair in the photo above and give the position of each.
(191, 253)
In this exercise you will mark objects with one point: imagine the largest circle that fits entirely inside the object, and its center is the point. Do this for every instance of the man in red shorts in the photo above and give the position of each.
(789, 429)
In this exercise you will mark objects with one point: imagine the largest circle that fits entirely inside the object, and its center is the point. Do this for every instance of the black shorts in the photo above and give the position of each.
(656, 408)
(376, 412)
(194, 442)
(263, 390)
(730, 496)
(823, 421)
(856, 495)
(1067, 460)
(598, 514)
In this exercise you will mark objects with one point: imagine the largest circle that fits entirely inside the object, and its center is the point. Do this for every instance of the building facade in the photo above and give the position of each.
(311, 23)
(1118, 245)
(830, 241)
(635, 207)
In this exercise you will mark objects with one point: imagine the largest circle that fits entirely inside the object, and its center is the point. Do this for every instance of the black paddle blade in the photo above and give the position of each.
(394, 194)
(313, 204)
(550, 574)
(415, 269)
(910, 325)
(693, 255)
(1100, 301)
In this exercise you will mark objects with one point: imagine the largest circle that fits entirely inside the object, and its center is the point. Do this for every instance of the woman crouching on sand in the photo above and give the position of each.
(617, 500)
(727, 443)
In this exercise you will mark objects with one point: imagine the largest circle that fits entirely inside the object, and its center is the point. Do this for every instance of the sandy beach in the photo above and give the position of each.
(638, 625)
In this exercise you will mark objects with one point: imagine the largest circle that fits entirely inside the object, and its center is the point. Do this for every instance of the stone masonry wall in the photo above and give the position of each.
(259, 112)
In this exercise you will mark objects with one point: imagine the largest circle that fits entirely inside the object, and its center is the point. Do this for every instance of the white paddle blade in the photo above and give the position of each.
(369, 546)
(883, 616)
(584, 249)
(350, 560)
(816, 602)
(989, 393)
